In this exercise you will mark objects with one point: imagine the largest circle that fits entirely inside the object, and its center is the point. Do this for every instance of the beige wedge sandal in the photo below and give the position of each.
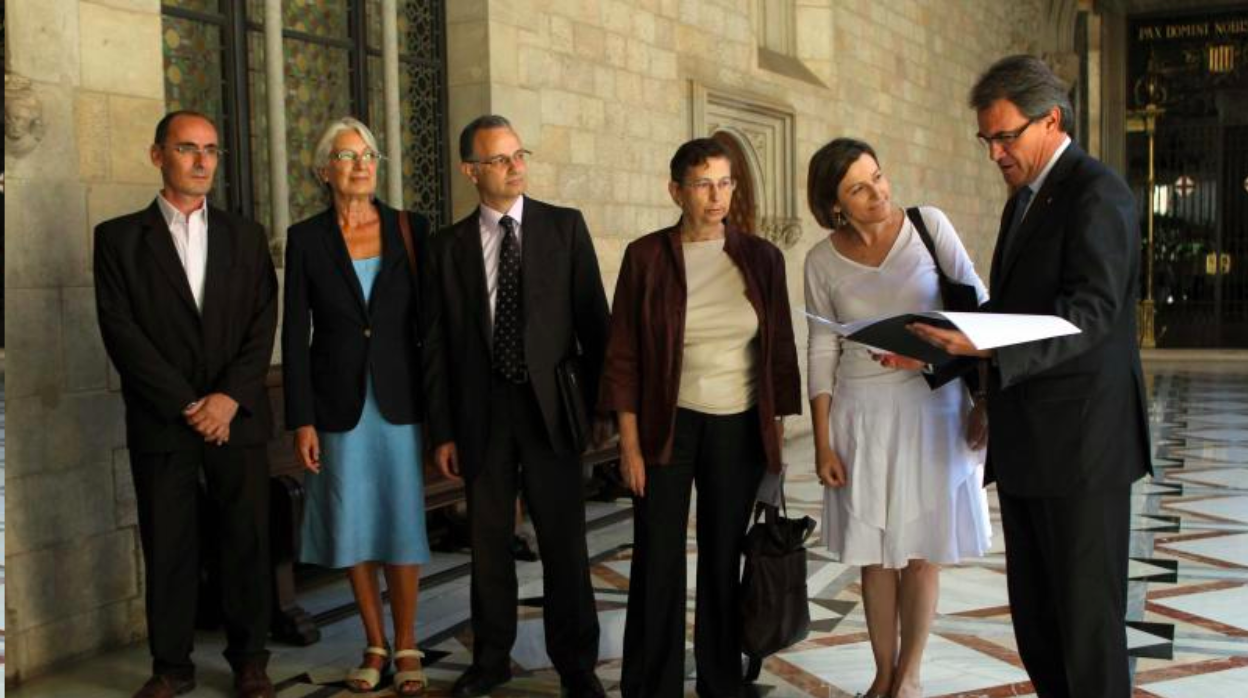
(368, 676)
(415, 676)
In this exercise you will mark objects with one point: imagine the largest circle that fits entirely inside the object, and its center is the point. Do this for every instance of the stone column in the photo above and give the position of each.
(468, 81)
(275, 85)
(95, 92)
(394, 127)
(1094, 87)
(1114, 95)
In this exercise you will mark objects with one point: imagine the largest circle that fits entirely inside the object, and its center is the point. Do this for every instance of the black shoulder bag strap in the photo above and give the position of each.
(916, 217)
(955, 297)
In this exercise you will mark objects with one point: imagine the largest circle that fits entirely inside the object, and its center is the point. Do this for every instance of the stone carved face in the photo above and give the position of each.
(24, 126)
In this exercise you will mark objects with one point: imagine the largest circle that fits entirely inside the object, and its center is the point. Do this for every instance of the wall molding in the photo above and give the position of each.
(767, 133)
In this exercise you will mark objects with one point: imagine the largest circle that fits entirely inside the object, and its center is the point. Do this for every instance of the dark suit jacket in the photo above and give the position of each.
(1068, 415)
(169, 355)
(324, 379)
(564, 307)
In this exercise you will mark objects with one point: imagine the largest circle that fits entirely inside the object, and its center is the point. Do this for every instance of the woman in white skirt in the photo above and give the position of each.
(902, 463)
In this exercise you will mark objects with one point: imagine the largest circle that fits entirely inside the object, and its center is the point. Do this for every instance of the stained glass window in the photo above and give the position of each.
(426, 163)
(422, 102)
(215, 62)
(258, 123)
(193, 58)
(377, 121)
(327, 19)
(317, 91)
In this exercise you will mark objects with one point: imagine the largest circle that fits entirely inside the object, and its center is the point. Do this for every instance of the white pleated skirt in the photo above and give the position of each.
(915, 487)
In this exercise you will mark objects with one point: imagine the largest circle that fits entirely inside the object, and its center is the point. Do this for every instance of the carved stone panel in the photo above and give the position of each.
(24, 126)
(764, 130)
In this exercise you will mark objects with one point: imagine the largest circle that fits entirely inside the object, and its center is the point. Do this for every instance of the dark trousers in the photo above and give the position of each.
(723, 456)
(166, 487)
(1066, 560)
(519, 458)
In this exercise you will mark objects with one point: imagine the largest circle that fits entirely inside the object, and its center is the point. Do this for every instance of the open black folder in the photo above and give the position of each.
(985, 330)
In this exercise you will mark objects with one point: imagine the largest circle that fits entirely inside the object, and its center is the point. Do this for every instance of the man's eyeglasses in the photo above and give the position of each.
(1004, 138)
(500, 161)
(192, 150)
(704, 186)
(368, 157)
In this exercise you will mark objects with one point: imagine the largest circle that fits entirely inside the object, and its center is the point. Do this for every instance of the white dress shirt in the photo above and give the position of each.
(492, 243)
(190, 239)
(1044, 174)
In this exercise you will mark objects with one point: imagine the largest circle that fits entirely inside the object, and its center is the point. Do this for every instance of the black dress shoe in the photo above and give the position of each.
(252, 681)
(478, 682)
(584, 686)
(165, 686)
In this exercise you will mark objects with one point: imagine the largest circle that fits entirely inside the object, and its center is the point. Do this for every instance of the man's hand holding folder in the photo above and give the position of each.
(950, 341)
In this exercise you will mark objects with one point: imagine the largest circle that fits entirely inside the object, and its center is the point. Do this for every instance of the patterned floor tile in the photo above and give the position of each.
(1215, 508)
(1188, 597)
(1221, 550)
(1221, 610)
(1226, 478)
(1229, 682)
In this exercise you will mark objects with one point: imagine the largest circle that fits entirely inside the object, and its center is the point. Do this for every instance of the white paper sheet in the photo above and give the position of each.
(992, 330)
(984, 330)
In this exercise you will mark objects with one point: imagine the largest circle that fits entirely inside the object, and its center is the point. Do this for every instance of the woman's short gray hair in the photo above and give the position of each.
(320, 156)
(1029, 84)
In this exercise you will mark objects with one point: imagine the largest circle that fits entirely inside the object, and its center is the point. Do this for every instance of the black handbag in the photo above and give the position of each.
(956, 297)
(572, 400)
(774, 611)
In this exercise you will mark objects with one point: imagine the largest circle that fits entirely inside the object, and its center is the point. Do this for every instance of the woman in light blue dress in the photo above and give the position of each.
(351, 367)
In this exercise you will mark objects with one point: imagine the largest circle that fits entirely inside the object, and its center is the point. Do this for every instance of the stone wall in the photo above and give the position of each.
(600, 89)
(601, 92)
(72, 548)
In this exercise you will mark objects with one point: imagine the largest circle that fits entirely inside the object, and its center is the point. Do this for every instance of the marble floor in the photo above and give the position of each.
(1188, 603)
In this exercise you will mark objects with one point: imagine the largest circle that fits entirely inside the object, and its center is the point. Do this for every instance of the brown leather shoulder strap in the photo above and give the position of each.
(405, 228)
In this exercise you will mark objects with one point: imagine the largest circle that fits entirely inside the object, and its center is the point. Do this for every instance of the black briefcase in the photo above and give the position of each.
(774, 611)
(572, 401)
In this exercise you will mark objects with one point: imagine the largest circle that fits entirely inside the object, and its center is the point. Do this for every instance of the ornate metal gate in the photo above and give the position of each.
(1194, 70)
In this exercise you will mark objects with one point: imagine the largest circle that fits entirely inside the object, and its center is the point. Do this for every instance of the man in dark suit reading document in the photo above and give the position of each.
(1068, 430)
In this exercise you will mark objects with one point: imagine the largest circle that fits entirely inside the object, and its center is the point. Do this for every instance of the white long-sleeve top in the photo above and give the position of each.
(843, 290)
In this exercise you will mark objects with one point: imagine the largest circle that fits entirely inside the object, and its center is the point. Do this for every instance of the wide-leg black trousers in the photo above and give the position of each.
(722, 456)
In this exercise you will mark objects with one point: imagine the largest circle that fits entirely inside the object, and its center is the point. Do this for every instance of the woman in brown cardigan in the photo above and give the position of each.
(700, 367)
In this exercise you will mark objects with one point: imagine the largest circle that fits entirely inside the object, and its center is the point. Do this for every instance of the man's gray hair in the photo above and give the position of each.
(325, 144)
(1029, 84)
(481, 123)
